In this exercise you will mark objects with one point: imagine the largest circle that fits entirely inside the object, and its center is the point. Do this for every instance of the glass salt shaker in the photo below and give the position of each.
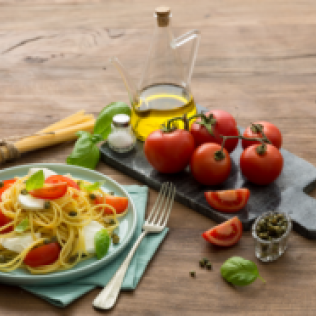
(121, 139)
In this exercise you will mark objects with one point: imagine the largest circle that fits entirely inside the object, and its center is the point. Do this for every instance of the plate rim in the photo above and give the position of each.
(79, 272)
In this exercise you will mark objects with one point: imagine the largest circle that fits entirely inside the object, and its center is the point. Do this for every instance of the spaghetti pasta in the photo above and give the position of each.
(62, 222)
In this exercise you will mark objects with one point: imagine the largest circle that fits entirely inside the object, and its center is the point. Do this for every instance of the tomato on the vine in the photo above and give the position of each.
(261, 164)
(169, 151)
(270, 131)
(209, 165)
(214, 124)
(228, 201)
(225, 234)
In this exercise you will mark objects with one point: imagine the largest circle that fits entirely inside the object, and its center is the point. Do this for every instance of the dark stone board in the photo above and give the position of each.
(288, 193)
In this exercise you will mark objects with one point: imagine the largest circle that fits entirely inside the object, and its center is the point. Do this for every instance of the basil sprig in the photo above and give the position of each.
(91, 187)
(35, 181)
(22, 226)
(239, 271)
(86, 152)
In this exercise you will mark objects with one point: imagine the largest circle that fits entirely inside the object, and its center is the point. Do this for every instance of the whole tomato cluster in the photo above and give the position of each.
(207, 145)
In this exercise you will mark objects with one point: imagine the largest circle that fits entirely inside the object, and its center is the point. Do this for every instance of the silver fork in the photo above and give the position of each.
(155, 223)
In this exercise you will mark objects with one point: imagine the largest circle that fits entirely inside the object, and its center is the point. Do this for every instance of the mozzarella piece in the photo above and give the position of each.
(89, 232)
(18, 243)
(28, 202)
(47, 172)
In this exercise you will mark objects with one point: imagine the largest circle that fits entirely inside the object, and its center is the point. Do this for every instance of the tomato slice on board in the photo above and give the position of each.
(43, 255)
(4, 221)
(119, 203)
(228, 201)
(59, 179)
(50, 191)
(6, 184)
(225, 234)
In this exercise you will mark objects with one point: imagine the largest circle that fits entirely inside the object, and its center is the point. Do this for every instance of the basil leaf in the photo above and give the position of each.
(102, 241)
(91, 187)
(35, 181)
(239, 271)
(86, 152)
(103, 123)
(22, 226)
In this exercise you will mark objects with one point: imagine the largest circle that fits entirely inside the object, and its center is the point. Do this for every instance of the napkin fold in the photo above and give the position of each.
(62, 295)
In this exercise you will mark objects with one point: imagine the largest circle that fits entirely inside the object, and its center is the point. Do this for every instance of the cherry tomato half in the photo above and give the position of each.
(263, 168)
(50, 191)
(58, 179)
(269, 129)
(225, 125)
(6, 185)
(43, 255)
(119, 203)
(225, 234)
(206, 169)
(169, 152)
(228, 201)
(4, 220)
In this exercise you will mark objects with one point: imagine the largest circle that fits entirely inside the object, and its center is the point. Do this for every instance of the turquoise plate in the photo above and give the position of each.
(125, 230)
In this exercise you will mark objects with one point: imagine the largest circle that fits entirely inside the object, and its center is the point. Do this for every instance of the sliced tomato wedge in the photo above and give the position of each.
(62, 179)
(228, 201)
(43, 255)
(119, 203)
(4, 220)
(6, 184)
(50, 191)
(225, 234)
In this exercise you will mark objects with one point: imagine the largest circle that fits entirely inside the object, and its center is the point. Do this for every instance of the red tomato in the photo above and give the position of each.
(261, 168)
(6, 184)
(206, 169)
(169, 152)
(225, 125)
(225, 234)
(50, 191)
(58, 179)
(4, 221)
(119, 203)
(228, 201)
(43, 255)
(269, 129)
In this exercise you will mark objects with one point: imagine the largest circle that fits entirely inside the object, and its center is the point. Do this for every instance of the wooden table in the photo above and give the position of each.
(257, 60)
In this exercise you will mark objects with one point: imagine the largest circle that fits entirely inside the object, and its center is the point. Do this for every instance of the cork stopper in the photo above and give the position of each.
(163, 14)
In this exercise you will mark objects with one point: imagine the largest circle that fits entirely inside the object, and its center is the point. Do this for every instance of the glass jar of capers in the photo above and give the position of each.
(271, 233)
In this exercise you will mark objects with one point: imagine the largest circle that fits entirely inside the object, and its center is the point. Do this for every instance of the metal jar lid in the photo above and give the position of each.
(121, 120)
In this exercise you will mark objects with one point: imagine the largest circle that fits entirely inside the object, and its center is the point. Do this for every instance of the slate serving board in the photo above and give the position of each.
(287, 194)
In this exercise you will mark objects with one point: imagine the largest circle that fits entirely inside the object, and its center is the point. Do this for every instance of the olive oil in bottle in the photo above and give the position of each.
(158, 104)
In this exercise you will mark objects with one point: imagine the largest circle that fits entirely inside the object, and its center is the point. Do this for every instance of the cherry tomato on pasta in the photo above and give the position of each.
(119, 203)
(43, 255)
(6, 184)
(4, 220)
(59, 179)
(228, 201)
(225, 234)
(50, 191)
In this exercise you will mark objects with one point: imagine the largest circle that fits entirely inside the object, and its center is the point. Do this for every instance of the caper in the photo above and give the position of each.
(73, 258)
(47, 205)
(202, 263)
(192, 274)
(24, 192)
(4, 259)
(72, 213)
(111, 193)
(209, 266)
(115, 239)
(92, 196)
(50, 240)
(112, 221)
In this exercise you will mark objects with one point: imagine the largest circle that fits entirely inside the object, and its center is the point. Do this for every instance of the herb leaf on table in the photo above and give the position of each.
(239, 271)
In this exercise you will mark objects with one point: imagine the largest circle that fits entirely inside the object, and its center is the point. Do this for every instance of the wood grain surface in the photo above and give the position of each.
(257, 60)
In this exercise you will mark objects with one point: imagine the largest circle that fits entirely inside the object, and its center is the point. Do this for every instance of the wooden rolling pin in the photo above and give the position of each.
(62, 131)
